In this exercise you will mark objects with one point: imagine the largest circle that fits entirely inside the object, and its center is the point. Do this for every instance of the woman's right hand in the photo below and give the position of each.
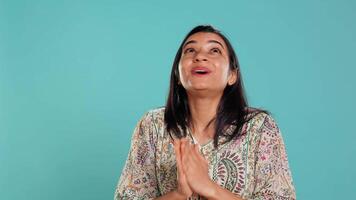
(183, 189)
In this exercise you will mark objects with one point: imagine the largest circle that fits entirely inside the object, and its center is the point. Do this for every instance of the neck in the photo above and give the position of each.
(203, 110)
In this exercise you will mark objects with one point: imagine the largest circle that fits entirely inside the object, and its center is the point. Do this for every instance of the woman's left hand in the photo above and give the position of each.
(196, 169)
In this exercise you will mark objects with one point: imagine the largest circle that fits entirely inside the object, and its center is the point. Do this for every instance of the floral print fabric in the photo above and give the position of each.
(253, 166)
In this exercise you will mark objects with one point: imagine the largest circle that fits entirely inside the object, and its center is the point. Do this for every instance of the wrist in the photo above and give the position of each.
(178, 195)
(213, 192)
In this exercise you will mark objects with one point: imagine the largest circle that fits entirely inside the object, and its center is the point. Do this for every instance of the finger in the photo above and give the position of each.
(187, 148)
(193, 156)
(199, 154)
(182, 152)
(177, 145)
(190, 160)
(181, 179)
(185, 154)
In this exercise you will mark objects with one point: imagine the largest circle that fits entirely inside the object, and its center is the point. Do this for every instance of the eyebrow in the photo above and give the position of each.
(209, 41)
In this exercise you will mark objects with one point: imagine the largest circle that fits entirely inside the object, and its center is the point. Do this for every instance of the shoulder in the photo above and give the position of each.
(258, 118)
(154, 115)
(157, 112)
(148, 127)
(262, 123)
(152, 119)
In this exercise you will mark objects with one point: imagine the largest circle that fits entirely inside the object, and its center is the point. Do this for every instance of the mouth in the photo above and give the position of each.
(200, 71)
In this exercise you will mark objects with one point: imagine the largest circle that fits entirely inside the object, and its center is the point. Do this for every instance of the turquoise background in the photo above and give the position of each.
(76, 76)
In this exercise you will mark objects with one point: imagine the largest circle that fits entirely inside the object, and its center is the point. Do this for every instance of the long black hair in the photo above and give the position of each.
(232, 109)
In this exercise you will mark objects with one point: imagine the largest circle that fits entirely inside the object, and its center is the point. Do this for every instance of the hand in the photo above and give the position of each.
(196, 169)
(183, 187)
(193, 174)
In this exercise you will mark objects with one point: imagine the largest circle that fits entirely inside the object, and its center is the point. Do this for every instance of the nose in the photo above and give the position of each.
(200, 56)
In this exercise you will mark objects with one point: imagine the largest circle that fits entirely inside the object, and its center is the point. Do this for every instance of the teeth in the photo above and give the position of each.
(200, 72)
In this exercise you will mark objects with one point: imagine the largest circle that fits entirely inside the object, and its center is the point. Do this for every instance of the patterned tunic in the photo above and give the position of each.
(253, 166)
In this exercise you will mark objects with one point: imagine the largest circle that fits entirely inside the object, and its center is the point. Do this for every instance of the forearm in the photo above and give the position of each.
(173, 195)
(219, 192)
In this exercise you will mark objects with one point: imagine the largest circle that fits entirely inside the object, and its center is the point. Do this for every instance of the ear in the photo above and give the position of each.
(233, 76)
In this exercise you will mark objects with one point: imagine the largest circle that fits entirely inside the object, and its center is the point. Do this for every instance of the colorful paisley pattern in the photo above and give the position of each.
(252, 166)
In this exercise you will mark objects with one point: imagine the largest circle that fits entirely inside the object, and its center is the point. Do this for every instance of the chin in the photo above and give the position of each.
(200, 90)
(199, 87)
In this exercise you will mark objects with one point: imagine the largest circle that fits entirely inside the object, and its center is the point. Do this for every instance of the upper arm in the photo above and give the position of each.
(273, 179)
(138, 178)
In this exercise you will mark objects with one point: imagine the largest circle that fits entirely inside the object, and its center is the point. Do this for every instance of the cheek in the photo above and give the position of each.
(224, 70)
(183, 69)
(181, 73)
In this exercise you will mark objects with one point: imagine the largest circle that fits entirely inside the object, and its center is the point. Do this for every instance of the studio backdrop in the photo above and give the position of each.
(76, 76)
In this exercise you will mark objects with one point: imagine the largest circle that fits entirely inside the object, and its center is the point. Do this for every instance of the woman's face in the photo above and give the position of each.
(204, 64)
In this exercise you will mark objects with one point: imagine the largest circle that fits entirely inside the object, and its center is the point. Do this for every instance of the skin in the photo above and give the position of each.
(204, 93)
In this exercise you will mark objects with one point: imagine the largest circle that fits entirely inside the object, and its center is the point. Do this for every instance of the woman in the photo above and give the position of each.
(206, 143)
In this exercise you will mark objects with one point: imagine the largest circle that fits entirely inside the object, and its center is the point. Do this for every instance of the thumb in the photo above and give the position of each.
(199, 154)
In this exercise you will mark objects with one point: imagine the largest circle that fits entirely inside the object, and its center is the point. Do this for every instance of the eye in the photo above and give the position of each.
(215, 50)
(189, 50)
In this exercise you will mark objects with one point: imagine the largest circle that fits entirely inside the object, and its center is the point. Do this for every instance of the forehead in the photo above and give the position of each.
(202, 38)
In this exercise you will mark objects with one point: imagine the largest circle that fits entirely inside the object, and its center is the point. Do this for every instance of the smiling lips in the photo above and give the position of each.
(200, 71)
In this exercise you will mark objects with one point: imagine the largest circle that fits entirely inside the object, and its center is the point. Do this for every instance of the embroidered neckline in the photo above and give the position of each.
(195, 141)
